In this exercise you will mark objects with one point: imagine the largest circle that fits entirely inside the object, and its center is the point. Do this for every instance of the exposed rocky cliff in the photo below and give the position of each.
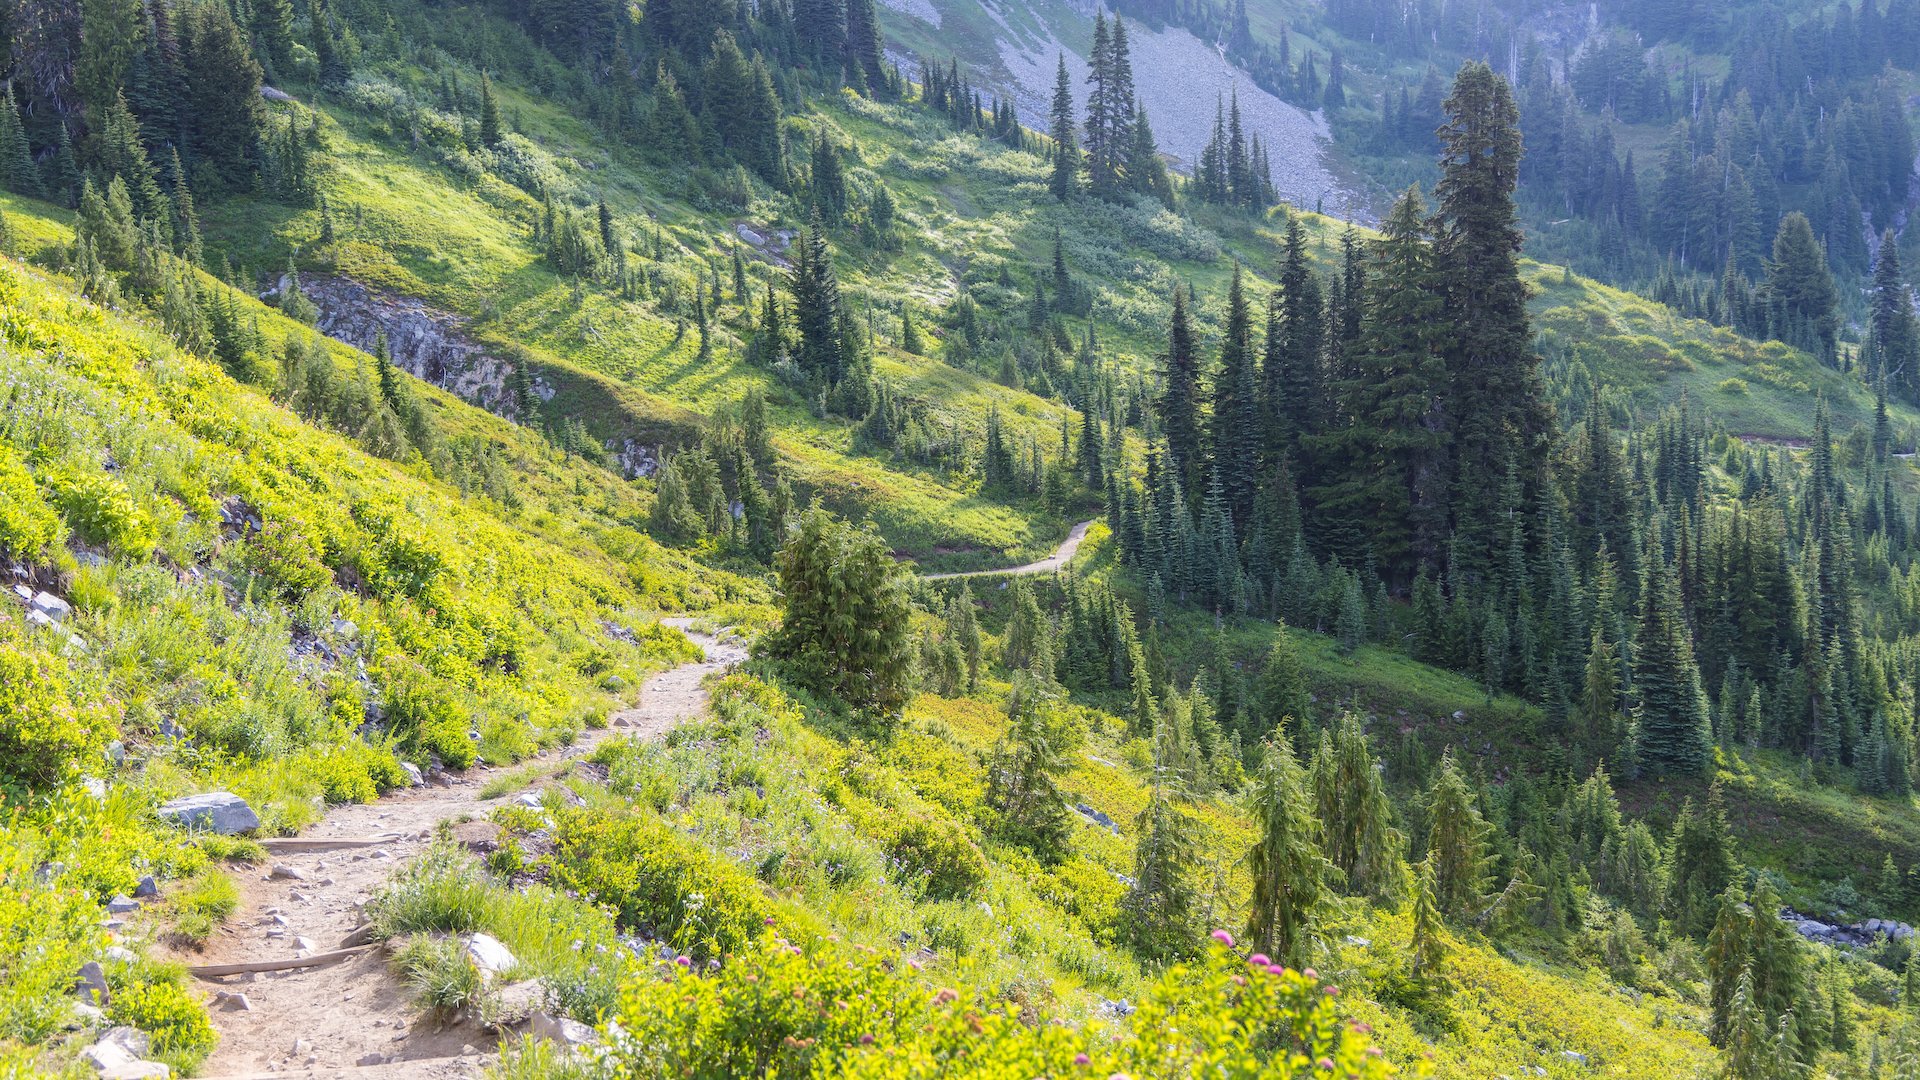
(434, 345)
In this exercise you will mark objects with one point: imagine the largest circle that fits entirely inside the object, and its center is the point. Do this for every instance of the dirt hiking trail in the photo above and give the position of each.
(1061, 556)
(353, 1018)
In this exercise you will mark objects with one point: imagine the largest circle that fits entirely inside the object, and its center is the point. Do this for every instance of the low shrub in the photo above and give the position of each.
(658, 880)
(100, 510)
(44, 733)
(176, 1023)
(28, 526)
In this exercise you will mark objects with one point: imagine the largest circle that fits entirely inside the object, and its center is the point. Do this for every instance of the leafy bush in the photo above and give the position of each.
(44, 733)
(28, 526)
(100, 510)
(655, 878)
(350, 771)
(286, 558)
(423, 715)
(177, 1024)
(825, 1011)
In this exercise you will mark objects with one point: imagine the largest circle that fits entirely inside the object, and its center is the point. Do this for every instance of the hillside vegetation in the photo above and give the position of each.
(1473, 669)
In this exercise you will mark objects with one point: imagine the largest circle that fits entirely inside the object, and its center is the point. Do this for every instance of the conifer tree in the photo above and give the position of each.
(1290, 875)
(964, 629)
(1041, 742)
(846, 617)
(1280, 697)
(1429, 948)
(1355, 814)
(1179, 403)
(1701, 862)
(489, 113)
(1893, 344)
(1392, 481)
(1158, 912)
(18, 173)
(1672, 729)
(1457, 844)
(1498, 413)
(816, 310)
(1296, 327)
(1235, 436)
(1064, 179)
(272, 28)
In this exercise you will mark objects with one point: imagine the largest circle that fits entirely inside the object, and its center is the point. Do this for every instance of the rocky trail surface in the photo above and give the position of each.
(1061, 556)
(353, 1017)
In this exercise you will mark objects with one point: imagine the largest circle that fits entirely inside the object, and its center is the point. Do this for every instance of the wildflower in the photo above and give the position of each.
(1082, 1059)
(1223, 938)
(681, 961)
(1259, 959)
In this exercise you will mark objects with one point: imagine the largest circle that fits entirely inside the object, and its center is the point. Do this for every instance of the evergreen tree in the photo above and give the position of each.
(846, 614)
(1457, 844)
(1392, 484)
(1290, 876)
(1355, 814)
(1799, 282)
(490, 131)
(1497, 411)
(18, 173)
(1672, 729)
(1235, 436)
(1179, 403)
(1280, 696)
(272, 27)
(1429, 947)
(1158, 912)
(1041, 743)
(1893, 344)
(1701, 863)
(1064, 179)
(816, 310)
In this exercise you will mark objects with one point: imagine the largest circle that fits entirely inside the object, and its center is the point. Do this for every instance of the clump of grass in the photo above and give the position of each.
(442, 892)
(439, 973)
(201, 904)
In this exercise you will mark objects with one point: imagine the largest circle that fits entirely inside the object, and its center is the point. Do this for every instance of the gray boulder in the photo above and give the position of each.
(488, 955)
(90, 984)
(561, 1031)
(220, 812)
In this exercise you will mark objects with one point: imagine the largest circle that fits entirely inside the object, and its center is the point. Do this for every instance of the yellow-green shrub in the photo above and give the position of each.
(176, 1023)
(653, 877)
(831, 1012)
(28, 526)
(44, 733)
(100, 510)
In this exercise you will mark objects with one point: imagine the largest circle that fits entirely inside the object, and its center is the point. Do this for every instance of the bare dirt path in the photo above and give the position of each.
(353, 1018)
(1061, 556)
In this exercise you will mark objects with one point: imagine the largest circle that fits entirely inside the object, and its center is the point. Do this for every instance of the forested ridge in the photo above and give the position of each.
(1472, 669)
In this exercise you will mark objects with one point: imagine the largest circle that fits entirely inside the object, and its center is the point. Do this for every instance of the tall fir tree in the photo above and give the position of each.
(1498, 412)
(1290, 875)
(1064, 178)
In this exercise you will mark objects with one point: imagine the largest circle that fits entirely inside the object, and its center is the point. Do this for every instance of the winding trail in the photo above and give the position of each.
(326, 1021)
(1061, 556)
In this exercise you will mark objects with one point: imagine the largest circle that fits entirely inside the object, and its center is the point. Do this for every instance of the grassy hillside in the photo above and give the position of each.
(259, 606)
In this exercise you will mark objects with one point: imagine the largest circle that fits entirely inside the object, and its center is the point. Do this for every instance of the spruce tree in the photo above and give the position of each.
(1179, 402)
(1457, 844)
(1159, 910)
(1290, 875)
(1280, 697)
(272, 27)
(1498, 412)
(1355, 814)
(1041, 743)
(1429, 947)
(846, 614)
(18, 173)
(490, 131)
(1701, 862)
(1393, 477)
(816, 310)
(1064, 179)
(1672, 729)
(1235, 436)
